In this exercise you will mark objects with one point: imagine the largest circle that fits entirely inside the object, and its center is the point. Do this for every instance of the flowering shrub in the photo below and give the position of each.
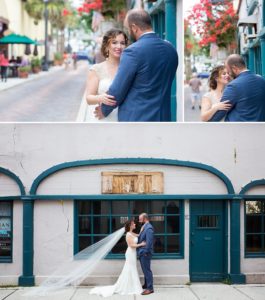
(215, 23)
(109, 9)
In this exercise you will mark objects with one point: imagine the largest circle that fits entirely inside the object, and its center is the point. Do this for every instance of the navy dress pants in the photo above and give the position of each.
(145, 261)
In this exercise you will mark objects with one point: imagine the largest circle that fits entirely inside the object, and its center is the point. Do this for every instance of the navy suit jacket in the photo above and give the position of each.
(142, 85)
(247, 96)
(146, 235)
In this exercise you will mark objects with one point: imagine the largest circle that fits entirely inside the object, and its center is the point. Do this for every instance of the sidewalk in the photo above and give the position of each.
(11, 82)
(196, 291)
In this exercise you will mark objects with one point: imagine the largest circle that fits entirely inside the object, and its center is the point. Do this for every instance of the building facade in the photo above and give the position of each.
(63, 188)
(15, 19)
(251, 34)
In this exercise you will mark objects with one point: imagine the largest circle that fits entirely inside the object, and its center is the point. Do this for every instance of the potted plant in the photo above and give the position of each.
(36, 65)
(23, 71)
(58, 59)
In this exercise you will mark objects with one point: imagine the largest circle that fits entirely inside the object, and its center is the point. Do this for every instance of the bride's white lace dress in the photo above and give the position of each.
(105, 81)
(128, 282)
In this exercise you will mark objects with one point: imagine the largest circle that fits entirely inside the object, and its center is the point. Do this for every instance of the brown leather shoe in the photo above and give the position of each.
(147, 292)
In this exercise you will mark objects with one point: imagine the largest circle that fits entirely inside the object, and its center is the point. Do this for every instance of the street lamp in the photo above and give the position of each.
(46, 65)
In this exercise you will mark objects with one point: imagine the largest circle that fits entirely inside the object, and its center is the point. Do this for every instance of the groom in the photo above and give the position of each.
(142, 85)
(145, 252)
(246, 93)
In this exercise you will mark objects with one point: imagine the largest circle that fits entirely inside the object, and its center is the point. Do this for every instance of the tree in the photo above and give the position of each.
(110, 10)
(215, 22)
(61, 15)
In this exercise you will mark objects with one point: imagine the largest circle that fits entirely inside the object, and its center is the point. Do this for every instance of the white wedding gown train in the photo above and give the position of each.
(128, 282)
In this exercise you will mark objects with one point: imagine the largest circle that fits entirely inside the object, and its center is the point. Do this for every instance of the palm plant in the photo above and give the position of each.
(36, 8)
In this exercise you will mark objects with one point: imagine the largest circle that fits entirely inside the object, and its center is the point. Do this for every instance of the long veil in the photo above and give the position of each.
(74, 271)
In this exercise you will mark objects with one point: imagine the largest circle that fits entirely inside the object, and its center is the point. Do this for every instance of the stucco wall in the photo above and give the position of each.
(8, 187)
(87, 180)
(237, 150)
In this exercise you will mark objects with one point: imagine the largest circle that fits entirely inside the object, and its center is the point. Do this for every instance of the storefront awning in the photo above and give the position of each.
(16, 39)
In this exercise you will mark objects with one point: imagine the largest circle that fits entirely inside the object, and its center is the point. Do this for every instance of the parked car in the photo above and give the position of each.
(203, 75)
(83, 55)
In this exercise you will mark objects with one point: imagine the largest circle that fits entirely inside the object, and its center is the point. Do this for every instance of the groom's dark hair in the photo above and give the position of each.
(139, 17)
(236, 60)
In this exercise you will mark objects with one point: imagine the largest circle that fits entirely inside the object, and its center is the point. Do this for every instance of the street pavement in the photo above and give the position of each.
(198, 291)
(53, 96)
(192, 115)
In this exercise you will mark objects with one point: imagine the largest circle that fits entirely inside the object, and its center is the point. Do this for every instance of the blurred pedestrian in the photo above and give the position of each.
(74, 59)
(210, 104)
(4, 65)
(195, 84)
(66, 60)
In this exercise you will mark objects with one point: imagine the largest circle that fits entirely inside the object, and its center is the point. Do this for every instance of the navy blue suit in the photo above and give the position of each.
(247, 96)
(145, 254)
(142, 85)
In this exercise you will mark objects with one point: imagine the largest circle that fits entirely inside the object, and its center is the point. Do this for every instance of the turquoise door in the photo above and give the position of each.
(207, 240)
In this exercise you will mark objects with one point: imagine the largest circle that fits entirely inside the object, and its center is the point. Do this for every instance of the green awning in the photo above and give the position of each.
(16, 39)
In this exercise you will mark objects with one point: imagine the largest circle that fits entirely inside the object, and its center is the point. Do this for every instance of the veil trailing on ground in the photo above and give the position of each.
(74, 271)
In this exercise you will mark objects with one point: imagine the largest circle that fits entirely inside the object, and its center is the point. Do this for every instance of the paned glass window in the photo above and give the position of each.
(5, 231)
(97, 219)
(255, 226)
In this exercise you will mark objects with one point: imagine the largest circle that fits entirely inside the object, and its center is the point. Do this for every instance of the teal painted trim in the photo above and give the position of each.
(250, 185)
(171, 21)
(132, 4)
(139, 161)
(254, 255)
(15, 178)
(76, 229)
(9, 198)
(262, 31)
(262, 48)
(252, 6)
(226, 222)
(26, 281)
(182, 229)
(131, 197)
(171, 33)
(27, 278)
(254, 197)
(251, 59)
(237, 278)
(157, 6)
(235, 272)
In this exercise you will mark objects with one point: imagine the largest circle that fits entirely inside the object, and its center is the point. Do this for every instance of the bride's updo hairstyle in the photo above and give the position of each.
(108, 36)
(216, 72)
(127, 225)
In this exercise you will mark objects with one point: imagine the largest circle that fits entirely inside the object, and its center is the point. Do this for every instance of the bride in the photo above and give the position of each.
(128, 282)
(101, 75)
